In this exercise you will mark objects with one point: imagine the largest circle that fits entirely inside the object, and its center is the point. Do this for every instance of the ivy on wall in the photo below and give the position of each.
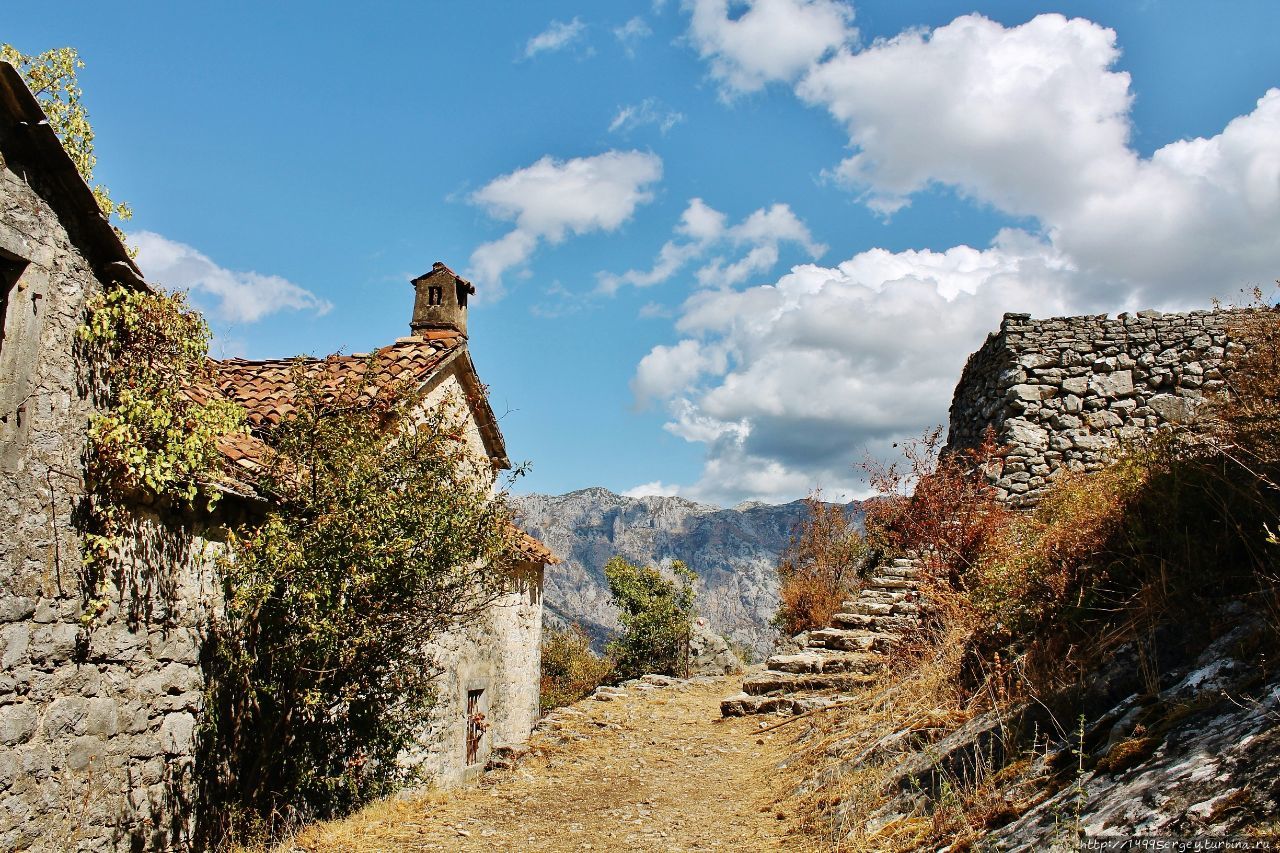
(154, 434)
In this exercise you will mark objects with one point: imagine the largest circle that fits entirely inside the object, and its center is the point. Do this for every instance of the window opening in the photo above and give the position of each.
(476, 725)
(10, 272)
(435, 295)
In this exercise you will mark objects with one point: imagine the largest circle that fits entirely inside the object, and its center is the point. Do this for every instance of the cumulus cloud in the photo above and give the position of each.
(650, 111)
(1035, 120)
(786, 383)
(557, 36)
(241, 296)
(769, 40)
(552, 199)
(703, 230)
(652, 489)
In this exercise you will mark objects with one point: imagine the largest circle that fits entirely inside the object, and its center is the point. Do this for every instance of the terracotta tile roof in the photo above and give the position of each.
(535, 550)
(267, 389)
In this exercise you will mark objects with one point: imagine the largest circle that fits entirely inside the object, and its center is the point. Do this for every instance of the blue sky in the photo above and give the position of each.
(723, 250)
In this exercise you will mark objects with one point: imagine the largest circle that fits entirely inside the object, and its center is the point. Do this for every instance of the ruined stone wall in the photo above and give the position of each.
(1063, 392)
(100, 691)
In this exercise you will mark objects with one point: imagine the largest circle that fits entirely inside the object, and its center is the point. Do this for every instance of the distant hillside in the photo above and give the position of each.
(733, 551)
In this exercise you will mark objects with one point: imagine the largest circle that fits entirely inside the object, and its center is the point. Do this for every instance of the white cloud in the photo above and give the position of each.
(632, 33)
(769, 40)
(786, 383)
(674, 367)
(705, 228)
(701, 221)
(554, 198)
(557, 36)
(650, 111)
(1034, 120)
(654, 489)
(242, 296)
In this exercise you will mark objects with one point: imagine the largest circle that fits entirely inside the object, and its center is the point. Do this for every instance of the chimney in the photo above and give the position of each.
(441, 301)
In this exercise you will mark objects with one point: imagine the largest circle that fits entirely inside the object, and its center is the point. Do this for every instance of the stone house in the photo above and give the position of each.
(1064, 392)
(100, 717)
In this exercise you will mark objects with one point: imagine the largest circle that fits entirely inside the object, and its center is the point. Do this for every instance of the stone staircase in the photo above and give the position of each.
(833, 662)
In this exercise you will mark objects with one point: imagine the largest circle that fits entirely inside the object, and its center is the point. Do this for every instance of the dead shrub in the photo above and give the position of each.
(819, 568)
(951, 514)
(570, 669)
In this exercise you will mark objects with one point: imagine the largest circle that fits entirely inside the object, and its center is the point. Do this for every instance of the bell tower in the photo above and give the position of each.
(441, 301)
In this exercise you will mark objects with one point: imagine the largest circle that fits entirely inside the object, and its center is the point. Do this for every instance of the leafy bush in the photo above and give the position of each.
(380, 538)
(570, 670)
(818, 569)
(657, 618)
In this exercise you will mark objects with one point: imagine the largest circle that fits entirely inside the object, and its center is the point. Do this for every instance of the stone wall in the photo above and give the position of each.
(102, 685)
(1063, 392)
(98, 702)
(499, 656)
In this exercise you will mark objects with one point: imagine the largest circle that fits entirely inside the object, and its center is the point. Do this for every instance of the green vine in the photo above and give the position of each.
(156, 429)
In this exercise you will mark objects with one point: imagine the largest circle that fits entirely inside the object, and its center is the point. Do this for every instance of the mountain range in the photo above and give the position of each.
(733, 551)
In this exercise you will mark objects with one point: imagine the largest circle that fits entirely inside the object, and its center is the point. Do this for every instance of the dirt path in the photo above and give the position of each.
(655, 770)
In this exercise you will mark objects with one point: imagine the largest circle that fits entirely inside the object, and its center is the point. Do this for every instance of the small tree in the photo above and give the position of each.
(657, 618)
(819, 567)
(382, 535)
(570, 670)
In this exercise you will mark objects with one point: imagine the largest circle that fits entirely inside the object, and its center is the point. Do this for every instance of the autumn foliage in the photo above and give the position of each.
(819, 568)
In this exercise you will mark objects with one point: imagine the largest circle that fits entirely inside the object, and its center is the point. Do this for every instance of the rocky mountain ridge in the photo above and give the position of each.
(733, 551)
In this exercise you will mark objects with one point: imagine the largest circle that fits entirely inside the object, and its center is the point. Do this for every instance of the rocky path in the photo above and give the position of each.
(651, 769)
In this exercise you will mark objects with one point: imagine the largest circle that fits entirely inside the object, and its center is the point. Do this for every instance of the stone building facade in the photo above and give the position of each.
(1065, 391)
(101, 701)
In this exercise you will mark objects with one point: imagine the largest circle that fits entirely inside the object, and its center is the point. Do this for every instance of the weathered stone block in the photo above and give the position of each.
(1102, 420)
(18, 723)
(177, 733)
(66, 716)
(1113, 385)
(102, 717)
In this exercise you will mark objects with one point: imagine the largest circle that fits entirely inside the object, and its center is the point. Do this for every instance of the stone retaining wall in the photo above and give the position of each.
(1063, 392)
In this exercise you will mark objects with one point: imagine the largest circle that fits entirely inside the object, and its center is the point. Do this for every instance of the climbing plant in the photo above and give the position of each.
(154, 434)
(380, 537)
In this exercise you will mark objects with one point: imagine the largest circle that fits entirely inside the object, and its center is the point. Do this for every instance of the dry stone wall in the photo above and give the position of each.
(100, 690)
(1063, 392)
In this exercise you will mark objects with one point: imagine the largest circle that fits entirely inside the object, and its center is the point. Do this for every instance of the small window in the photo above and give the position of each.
(435, 295)
(476, 725)
(10, 272)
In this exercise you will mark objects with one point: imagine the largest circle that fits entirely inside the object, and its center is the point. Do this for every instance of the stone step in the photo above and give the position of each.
(888, 596)
(889, 582)
(855, 640)
(884, 608)
(826, 662)
(908, 572)
(744, 704)
(769, 682)
(881, 624)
